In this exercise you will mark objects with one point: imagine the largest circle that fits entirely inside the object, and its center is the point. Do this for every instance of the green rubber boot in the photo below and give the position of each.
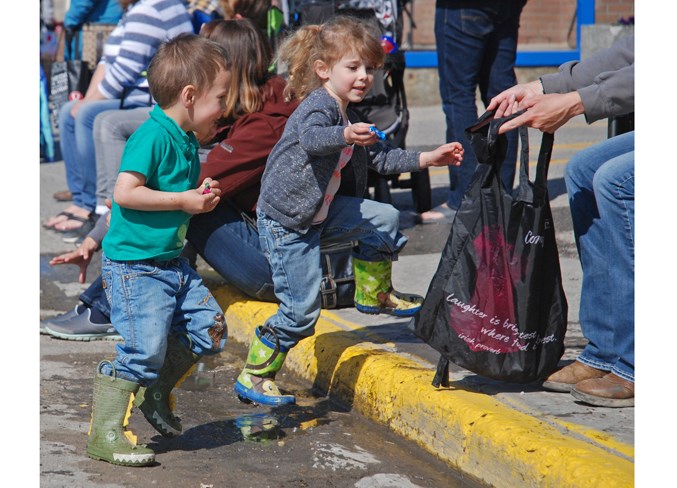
(256, 383)
(156, 401)
(108, 439)
(374, 291)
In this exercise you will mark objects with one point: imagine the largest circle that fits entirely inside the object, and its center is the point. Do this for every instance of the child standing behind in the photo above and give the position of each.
(329, 66)
(166, 316)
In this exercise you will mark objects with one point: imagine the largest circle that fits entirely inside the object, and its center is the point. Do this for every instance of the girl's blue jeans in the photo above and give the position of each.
(600, 182)
(151, 300)
(294, 258)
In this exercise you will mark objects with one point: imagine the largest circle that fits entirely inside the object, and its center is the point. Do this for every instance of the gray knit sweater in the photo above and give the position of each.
(301, 163)
(605, 81)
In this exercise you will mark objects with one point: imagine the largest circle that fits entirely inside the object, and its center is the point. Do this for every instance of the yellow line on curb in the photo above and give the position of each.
(471, 431)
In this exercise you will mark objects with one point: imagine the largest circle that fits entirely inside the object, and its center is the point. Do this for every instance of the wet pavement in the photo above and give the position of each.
(225, 443)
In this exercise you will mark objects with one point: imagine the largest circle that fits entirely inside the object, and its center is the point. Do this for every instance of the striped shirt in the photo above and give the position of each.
(134, 41)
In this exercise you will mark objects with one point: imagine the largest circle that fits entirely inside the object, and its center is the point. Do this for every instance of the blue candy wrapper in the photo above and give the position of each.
(381, 135)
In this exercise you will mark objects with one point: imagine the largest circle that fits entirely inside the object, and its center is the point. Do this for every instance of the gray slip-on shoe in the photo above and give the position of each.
(77, 310)
(81, 328)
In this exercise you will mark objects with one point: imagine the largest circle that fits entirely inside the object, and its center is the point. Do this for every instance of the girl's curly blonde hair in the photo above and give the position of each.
(328, 42)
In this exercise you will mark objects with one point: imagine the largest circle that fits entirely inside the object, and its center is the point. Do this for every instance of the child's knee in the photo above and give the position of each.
(218, 333)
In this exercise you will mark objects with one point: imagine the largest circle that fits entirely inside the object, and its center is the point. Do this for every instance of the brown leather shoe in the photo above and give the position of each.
(63, 196)
(565, 379)
(608, 391)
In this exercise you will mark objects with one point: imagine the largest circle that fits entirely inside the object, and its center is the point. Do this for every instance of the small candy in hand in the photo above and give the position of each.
(381, 135)
(206, 190)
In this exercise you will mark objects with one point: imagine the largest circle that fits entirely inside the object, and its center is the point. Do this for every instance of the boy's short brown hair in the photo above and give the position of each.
(187, 59)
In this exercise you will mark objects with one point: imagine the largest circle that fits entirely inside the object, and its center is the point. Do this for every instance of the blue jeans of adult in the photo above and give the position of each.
(476, 46)
(294, 258)
(151, 300)
(95, 297)
(600, 182)
(76, 136)
(230, 245)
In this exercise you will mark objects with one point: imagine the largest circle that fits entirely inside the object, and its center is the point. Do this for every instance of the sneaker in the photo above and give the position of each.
(81, 328)
(80, 308)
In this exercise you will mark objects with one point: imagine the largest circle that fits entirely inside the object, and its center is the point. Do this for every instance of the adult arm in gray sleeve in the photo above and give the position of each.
(605, 81)
(99, 231)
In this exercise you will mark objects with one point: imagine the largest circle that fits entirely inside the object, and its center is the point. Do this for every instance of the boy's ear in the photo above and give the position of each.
(321, 69)
(188, 96)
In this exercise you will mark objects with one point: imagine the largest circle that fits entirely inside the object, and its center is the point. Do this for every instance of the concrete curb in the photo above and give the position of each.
(473, 432)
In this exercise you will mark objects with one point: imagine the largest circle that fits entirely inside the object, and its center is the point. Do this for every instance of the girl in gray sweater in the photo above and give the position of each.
(329, 66)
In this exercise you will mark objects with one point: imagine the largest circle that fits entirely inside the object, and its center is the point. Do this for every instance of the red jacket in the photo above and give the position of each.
(238, 161)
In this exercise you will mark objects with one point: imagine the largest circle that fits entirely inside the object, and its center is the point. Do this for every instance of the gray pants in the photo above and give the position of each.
(112, 128)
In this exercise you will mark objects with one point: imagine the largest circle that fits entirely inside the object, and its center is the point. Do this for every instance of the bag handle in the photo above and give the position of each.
(539, 187)
(486, 151)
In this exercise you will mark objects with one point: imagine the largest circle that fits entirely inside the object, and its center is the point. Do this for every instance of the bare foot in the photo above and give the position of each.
(440, 214)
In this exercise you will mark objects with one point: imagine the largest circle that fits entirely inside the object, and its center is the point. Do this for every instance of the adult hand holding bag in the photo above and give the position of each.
(496, 305)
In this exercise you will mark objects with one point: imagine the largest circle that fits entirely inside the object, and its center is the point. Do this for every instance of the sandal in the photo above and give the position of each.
(82, 220)
(73, 235)
(447, 215)
(68, 216)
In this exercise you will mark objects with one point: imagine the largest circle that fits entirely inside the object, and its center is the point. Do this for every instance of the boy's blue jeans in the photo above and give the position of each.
(151, 300)
(295, 258)
(601, 186)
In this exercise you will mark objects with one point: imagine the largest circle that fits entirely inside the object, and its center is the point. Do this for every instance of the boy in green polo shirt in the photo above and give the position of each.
(159, 305)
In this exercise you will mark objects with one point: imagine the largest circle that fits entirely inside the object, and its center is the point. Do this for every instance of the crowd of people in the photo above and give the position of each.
(188, 135)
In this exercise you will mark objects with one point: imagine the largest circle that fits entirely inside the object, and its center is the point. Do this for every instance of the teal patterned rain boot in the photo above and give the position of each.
(256, 383)
(374, 291)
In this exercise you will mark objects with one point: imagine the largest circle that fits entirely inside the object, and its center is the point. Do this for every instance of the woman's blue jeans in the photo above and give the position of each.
(600, 182)
(77, 148)
(231, 246)
(295, 258)
(476, 46)
(151, 300)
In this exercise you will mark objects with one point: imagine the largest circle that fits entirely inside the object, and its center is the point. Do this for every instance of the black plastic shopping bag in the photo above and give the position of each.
(69, 81)
(496, 305)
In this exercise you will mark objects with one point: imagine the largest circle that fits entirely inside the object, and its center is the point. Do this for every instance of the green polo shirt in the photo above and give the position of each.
(167, 156)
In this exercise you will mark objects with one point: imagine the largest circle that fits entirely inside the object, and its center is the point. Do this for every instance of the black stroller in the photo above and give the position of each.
(386, 105)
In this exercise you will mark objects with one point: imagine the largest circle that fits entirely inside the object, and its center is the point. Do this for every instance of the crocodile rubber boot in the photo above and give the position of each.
(156, 401)
(108, 439)
(374, 291)
(256, 383)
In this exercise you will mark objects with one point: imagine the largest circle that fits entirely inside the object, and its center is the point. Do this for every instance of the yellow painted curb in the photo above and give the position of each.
(473, 432)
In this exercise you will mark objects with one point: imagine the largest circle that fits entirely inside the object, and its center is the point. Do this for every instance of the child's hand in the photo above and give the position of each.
(450, 154)
(203, 199)
(210, 186)
(360, 134)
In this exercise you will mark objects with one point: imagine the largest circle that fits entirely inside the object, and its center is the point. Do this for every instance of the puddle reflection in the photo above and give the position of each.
(260, 427)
